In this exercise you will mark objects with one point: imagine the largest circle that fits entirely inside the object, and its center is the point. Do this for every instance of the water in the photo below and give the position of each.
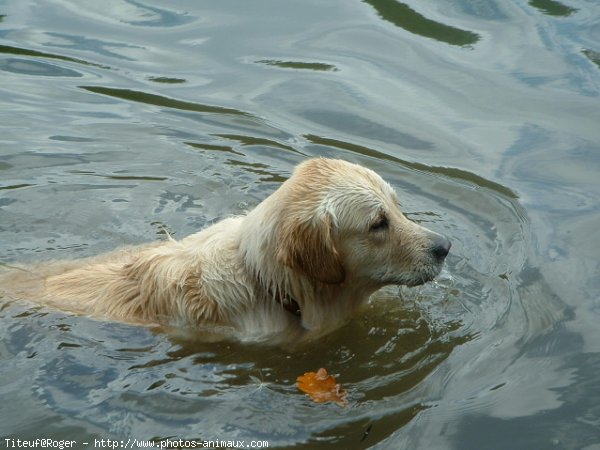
(121, 120)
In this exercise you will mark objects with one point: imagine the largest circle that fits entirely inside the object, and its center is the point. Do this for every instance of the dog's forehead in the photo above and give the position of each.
(357, 192)
(368, 192)
(338, 184)
(366, 182)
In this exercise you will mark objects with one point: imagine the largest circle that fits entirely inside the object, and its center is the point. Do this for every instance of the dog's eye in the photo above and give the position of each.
(381, 224)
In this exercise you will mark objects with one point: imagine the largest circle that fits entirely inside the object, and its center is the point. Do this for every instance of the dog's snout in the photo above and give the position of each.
(441, 247)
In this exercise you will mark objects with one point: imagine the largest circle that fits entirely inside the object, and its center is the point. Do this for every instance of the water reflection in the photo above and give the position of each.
(159, 100)
(28, 67)
(127, 12)
(101, 47)
(552, 7)
(448, 171)
(385, 357)
(403, 16)
(170, 382)
(262, 170)
(7, 49)
(207, 113)
(250, 140)
(593, 56)
(214, 148)
(299, 65)
(361, 126)
(167, 80)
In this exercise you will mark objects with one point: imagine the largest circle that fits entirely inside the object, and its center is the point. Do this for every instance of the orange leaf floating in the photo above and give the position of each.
(322, 387)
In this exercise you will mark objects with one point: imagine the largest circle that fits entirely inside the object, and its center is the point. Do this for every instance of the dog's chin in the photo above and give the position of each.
(416, 278)
(418, 281)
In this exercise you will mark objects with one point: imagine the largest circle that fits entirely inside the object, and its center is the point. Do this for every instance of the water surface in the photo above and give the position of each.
(122, 120)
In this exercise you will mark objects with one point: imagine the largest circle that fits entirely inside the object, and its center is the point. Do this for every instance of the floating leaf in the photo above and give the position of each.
(322, 387)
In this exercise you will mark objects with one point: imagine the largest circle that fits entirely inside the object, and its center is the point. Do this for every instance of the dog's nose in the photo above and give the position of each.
(441, 247)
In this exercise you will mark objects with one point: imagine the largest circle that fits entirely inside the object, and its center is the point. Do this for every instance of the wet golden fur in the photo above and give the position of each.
(328, 238)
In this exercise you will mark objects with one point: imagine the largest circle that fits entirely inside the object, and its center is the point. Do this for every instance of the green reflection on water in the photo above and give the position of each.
(134, 177)
(15, 186)
(167, 80)
(449, 172)
(258, 169)
(26, 52)
(592, 56)
(299, 65)
(119, 177)
(159, 100)
(213, 147)
(250, 140)
(405, 17)
(552, 7)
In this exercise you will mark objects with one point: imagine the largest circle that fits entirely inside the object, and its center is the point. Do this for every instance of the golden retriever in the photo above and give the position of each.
(295, 267)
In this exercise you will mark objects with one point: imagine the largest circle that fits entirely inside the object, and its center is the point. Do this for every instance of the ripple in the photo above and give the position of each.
(128, 12)
(357, 125)
(403, 16)
(252, 140)
(451, 172)
(27, 52)
(159, 100)
(167, 80)
(298, 65)
(457, 360)
(386, 357)
(213, 147)
(27, 67)
(552, 8)
(16, 186)
(593, 56)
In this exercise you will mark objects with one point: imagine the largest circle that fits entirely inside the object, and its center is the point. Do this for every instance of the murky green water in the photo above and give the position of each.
(120, 119)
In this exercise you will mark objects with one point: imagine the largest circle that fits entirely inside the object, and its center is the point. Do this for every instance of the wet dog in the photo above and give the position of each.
(296, 266)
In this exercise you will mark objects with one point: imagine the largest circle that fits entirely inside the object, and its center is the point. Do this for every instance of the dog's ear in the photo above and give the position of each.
(308, 248)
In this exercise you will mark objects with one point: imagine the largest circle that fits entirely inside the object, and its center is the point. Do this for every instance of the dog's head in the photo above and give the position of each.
(341, 223)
